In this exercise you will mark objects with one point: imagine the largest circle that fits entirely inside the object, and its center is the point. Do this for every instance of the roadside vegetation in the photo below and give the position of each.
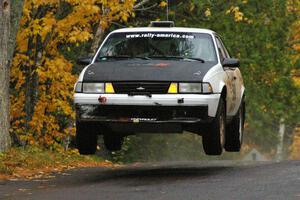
(35, 162)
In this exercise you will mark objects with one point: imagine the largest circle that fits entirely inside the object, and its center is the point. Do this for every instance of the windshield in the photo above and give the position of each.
(162, 45)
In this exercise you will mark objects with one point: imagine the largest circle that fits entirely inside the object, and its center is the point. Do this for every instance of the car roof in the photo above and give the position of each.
(164, 29)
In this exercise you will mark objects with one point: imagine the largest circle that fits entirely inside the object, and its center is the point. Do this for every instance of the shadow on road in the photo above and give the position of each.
(145, 175)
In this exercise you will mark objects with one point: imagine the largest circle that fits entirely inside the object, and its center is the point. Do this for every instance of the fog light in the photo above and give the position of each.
(109, 88)
(173, 88)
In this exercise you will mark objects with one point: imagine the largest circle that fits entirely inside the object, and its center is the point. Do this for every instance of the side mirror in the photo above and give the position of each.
(84, 61)
(231, 62)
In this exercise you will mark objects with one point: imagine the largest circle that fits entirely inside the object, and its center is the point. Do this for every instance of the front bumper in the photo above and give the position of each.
(178, 108)
(142, 114)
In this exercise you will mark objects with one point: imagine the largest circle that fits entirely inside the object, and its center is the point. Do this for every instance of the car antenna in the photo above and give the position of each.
(167, 10)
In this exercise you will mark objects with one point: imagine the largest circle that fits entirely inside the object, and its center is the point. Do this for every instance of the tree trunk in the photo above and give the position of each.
(100, 32)
(5, 141)
(16, 9)
(279, 153)
(97, 38)
(9, 20)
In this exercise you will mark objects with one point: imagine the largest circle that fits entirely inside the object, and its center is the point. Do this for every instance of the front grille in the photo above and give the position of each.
(141, 87)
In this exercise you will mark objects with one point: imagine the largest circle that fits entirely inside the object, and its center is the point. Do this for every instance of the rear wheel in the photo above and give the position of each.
(214, 140)
(113, 141)
(86, 139)
(235, 130)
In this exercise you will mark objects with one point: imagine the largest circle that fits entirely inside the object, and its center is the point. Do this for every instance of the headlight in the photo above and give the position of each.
(93, 87)
(78, 87)
(195, 88)
(190, 88)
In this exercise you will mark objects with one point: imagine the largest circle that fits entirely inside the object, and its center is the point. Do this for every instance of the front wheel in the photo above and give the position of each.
(214, 140)
(86, 139)
(235, 131)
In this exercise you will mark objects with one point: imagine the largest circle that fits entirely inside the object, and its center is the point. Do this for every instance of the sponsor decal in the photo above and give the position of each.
(140, 88)
(138, 120)
(162, 65)
(198, 73)
(90, 72)
(160, 35)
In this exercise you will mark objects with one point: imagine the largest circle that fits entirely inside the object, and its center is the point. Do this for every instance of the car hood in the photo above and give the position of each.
(147, 70)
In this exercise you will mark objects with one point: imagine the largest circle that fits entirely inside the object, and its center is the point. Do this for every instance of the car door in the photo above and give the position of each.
(232, 84)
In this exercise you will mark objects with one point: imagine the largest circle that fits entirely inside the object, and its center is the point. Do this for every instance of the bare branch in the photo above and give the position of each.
(140, 4)
(147, 8)
(118, 24)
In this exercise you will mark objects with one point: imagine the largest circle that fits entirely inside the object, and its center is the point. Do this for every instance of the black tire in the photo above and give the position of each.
(235, 131)
(86, 140)
(213, 141)
(113, 142)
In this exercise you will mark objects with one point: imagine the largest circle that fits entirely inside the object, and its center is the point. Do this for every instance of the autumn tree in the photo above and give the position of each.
(42, 79)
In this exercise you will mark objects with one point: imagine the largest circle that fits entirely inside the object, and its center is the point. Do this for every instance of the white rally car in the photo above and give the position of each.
(160, 79)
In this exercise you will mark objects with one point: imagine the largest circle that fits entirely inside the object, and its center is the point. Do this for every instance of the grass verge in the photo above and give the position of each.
(34, 162)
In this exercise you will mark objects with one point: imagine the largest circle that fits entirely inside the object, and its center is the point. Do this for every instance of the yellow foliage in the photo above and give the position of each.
(207, 12)
(37, 58)
(163, 4)
(238, 15)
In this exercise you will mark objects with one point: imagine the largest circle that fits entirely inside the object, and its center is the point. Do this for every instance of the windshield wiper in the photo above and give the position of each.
(178, 57)
(198, 59)
(121, 57)
(142, 57)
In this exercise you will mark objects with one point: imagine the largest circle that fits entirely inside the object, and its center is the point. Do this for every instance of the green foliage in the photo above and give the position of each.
(258, 35)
